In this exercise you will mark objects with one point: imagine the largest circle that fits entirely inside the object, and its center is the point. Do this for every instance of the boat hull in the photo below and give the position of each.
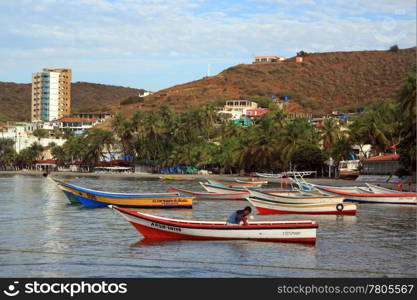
(288, 199)
(270, 207)
(173, 178)
(138, 203)
(156, 228)
(381, 198)
(94, 199)
(71, 197)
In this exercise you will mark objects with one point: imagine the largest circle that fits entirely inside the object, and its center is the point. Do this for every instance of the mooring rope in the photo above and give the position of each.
(215, 263)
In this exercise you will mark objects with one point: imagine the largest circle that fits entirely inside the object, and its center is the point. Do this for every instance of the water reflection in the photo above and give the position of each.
(37, 216)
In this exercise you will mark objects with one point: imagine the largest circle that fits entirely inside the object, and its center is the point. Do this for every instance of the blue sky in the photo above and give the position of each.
(154, 44)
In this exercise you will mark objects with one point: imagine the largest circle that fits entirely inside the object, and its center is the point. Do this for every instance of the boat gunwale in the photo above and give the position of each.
(231, 184)
(224, 188)
(297, 205)
(114, 195)
(300, 198)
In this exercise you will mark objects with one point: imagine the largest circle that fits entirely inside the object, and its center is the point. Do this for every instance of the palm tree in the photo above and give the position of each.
(296, 133)
(341, 150)
(150, 141)
(7, 153)
(59, 155)
(376, 126)
(329, 133)
(28, 156)
(96, 141)
(124, 129)
(407, 101)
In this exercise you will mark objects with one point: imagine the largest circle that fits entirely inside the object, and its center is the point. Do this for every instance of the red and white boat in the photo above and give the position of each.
(373, 197)
(296, 197)
(159, 228)
(234, 185)
(271, 207)
(241, 195)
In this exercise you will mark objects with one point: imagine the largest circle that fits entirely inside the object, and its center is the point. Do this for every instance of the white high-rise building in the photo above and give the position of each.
(51, 94)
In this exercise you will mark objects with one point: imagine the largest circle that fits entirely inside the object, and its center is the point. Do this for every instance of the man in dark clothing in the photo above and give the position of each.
(240, 215)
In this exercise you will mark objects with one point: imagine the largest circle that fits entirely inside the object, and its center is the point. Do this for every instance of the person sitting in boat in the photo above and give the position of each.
(240, 216)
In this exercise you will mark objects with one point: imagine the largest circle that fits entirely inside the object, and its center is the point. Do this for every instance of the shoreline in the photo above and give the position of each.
(318, 180)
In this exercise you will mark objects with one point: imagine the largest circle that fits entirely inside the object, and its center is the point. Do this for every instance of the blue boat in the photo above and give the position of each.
(93, 198)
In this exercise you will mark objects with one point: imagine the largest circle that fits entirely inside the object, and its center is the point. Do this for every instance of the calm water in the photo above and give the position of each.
(42, 235)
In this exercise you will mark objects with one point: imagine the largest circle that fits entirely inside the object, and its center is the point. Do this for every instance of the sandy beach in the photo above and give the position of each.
(229, 177)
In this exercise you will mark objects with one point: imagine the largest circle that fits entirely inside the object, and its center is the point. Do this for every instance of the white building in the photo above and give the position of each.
(145, 93)
(24, 138)
(51, 94)
(237, 108)
(77, 124)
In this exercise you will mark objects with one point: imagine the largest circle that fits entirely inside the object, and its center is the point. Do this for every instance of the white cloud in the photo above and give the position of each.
(124, 35)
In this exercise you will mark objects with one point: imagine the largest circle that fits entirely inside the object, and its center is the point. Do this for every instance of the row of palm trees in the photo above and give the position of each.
(204, 139)
(25, 159)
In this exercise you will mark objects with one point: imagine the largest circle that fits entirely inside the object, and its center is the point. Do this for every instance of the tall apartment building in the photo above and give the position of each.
(51, 94)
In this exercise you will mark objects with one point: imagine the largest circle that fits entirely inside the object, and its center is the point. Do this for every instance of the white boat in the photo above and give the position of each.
(349, 168)
(380, 189)
(211, 196)
(272, 207)
(269, 175)
(234, 185)
(286, 174)
(160, 228)
(373, 197)
(252, 181)
(353, 189)
(221, 190)
(289, 198)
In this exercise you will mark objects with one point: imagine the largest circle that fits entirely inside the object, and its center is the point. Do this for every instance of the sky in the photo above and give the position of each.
(155, 44)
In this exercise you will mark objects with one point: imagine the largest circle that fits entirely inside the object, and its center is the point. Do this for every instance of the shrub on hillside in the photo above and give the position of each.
(394, 48)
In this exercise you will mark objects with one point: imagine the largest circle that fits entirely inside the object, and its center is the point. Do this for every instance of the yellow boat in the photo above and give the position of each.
(93, 198)
(176, 178)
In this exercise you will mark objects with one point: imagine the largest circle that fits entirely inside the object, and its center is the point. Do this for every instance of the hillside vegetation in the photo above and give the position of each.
(15, 98)
(323, 82)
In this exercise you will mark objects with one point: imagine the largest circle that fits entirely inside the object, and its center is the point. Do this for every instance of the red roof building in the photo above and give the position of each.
(386, 164)
(256, 112)
(384, 157)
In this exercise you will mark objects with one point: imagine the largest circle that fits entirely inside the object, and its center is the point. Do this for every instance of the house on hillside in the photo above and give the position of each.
(78, 125)
(268, 59)
(145, 93)
(94, 115)
(237, 108)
